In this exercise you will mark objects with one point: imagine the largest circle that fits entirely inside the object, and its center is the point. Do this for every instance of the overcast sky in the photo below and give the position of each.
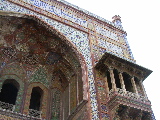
(141, 21)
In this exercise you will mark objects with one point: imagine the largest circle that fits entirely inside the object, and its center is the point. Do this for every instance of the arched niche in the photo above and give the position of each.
(9, 91)
(36, 98)
(37, 88)
(66, 87)
(35, 44)
(18, 83)
(82, 73)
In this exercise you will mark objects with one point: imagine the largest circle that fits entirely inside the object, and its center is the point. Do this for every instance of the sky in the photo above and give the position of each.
(141, 21)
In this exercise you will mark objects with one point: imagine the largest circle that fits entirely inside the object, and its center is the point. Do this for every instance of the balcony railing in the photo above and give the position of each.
(123, 97)
(8, 110)
(35, 113)
(7, 106)
(127, 94)
(5, 114)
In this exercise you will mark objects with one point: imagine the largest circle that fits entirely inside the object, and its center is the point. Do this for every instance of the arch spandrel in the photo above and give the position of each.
(14, 68)
(40, 75)
(11, 76)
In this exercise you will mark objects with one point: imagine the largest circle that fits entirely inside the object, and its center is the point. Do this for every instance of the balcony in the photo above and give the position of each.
(122, 97)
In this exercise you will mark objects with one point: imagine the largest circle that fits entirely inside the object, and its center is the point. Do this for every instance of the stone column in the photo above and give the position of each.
(122, 81)
(112, 80)
(134, 85)
(107, 87)
(143, 89)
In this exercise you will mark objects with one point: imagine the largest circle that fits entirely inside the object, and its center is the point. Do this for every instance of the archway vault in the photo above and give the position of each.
(42, 51)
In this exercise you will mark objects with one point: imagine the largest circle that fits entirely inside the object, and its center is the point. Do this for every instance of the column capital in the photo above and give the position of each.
(141, 81)
(120, 71)
(110, 68)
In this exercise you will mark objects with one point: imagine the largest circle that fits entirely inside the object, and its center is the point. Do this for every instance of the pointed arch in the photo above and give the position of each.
(75, 50)
(79, 79)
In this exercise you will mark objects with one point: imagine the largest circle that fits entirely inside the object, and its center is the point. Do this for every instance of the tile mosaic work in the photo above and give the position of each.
(40, 75)
(77, 32)
(78, 38)
(57, 58)
(89, 13)
(106, 33)
(83, 22)
(56, 105)
(102, 95)
(73, 92)
(110, 47)
(56, 9)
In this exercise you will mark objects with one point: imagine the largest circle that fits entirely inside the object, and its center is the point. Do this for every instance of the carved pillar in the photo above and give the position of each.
(107, 87)
(122, 81)
(112, 80)
(134, 85)
(142, 86)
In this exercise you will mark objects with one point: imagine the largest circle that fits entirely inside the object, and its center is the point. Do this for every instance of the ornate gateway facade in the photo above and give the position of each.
(60, 62)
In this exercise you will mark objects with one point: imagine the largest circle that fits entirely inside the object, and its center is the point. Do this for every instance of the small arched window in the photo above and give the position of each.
(36, 96)
(9, 91)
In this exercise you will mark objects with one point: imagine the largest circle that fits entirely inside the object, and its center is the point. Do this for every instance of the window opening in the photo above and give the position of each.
(9, 91)
(117, 80)
(109, 80)
(127, 82)
(36, 96)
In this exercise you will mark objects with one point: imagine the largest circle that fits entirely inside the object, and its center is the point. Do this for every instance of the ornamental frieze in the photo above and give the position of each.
(125, 68)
